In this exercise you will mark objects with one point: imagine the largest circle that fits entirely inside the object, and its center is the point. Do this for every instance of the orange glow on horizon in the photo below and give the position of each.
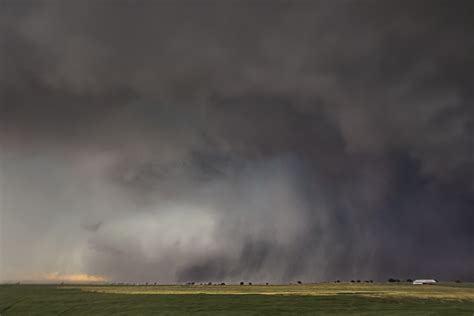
(72, 277)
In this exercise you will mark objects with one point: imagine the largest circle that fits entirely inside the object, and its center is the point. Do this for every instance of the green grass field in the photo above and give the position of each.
(311, 299)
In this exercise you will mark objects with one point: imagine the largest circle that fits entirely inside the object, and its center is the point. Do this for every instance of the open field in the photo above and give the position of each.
(310, 299)
(444, 291)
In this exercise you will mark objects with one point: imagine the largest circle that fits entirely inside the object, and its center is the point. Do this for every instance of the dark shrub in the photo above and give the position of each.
(299, 282)
(241, 283)
(250, 283)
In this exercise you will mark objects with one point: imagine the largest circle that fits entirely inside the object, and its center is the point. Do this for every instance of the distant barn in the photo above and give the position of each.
(429, 281)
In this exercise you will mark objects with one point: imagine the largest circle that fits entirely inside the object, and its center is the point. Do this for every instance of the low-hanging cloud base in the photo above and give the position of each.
(176, 142)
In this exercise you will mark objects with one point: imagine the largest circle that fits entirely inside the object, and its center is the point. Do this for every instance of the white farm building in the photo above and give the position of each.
(428, 281)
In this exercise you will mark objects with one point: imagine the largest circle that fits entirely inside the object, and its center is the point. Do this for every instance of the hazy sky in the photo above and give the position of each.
(178, 141)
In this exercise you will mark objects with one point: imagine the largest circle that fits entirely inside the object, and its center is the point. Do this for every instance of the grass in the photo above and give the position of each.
(443, 291)
(311, 299)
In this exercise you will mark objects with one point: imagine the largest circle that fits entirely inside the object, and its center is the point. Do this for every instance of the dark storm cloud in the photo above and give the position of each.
(201, 141)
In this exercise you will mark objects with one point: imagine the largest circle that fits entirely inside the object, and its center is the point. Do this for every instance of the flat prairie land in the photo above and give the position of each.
(305, 299)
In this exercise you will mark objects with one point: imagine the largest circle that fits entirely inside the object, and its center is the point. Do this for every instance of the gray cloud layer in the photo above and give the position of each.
(156, 141)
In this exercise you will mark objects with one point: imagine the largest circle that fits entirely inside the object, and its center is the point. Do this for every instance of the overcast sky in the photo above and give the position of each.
(179, 141)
